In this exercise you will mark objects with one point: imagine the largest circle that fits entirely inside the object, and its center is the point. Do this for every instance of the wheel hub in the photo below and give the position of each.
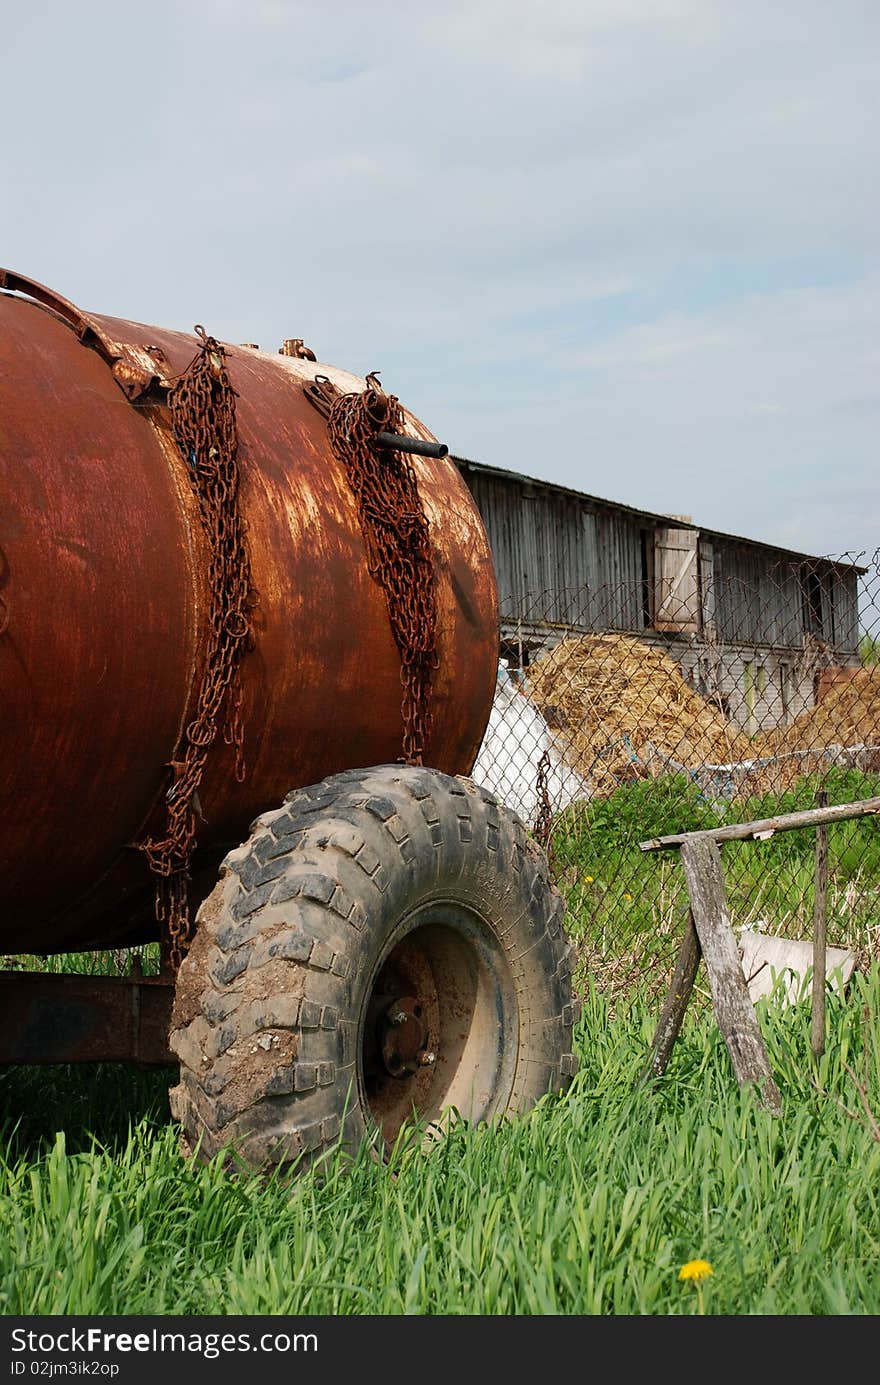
(403, 1038)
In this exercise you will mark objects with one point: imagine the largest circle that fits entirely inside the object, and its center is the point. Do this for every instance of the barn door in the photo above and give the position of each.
(676, 581)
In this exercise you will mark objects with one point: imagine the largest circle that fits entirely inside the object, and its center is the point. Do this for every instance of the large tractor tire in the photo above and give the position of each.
(386, 945)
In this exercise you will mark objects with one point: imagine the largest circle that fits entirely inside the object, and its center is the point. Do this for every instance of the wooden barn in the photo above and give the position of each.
(759, 629)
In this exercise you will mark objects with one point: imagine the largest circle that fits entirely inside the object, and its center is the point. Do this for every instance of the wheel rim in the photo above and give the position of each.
(438, 1032)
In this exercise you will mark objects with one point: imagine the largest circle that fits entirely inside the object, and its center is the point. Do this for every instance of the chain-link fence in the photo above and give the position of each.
(742, 700)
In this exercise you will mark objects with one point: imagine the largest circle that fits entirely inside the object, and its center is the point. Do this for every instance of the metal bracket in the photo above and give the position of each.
(134, 369)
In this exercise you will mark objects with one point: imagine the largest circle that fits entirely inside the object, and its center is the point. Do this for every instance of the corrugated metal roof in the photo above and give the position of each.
(650, 515)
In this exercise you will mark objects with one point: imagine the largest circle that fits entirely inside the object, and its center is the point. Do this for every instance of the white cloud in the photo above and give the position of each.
(627, 244)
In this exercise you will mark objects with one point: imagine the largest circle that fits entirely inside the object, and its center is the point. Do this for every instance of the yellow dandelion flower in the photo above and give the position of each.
(694, 1272)
(628, 896)
(589, 879)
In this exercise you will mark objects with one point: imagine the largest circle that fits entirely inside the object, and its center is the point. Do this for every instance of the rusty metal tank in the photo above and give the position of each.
(104, 589)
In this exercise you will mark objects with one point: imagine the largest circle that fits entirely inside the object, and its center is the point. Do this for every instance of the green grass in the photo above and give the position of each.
(869, 650)
(628, 907)
(589, 1205)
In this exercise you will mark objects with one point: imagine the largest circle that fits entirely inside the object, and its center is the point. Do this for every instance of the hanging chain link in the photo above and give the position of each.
(543, 824)
(203, 422)
(395, 532)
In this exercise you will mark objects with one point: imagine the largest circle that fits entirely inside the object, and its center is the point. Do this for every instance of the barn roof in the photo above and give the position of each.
(534, 483)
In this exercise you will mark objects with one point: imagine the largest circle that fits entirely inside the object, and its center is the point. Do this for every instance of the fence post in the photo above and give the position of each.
(820, 927)
(676, 1002)
(734, 1011)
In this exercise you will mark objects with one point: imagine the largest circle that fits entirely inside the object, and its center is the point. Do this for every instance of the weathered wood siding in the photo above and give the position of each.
(757, 598)
(768, 599)
(561, 559)
(844, 595)
(566, 561)
(544, 547)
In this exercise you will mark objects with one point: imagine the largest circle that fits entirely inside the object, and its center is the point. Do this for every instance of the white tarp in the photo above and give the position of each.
(766, 958)
(515, 741)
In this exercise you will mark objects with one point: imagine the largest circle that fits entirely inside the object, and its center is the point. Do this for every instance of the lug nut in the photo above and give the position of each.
(399, 1018)
(426, 1059)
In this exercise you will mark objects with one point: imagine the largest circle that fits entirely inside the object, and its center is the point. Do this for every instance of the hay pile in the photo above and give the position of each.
(848, 716)
(622, 710)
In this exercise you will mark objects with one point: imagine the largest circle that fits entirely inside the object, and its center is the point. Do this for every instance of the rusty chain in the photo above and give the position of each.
(203, 422)
(543, 824)
(395, 532)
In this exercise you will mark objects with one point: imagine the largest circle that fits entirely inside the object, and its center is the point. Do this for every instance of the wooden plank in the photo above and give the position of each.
(633, 577)
(707, 588)
(765, 827)
(730, 995)
(676, 1001)
(820, 899)
(846, 613)
(737, 615)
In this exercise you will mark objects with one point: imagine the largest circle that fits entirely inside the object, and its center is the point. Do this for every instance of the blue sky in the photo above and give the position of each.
(625, 245)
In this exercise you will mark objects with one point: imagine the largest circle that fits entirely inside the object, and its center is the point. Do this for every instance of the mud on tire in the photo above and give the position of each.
(386, 942)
